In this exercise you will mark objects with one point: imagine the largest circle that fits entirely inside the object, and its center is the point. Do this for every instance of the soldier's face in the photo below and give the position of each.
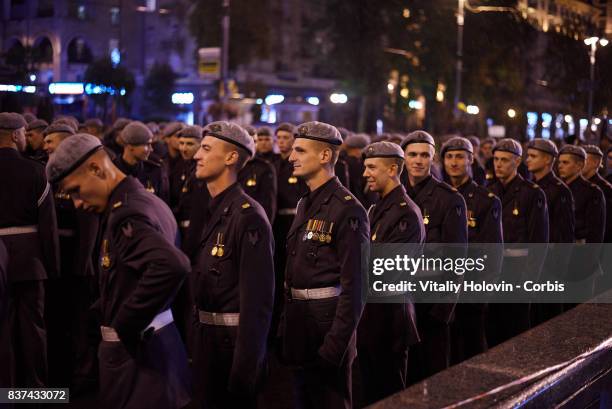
(20, 139)
(212, 158)
(264, 144)
(592, 164)
(457, 163)
(141, 152)
(285, 141)
(188, 147)
(307, 157)
(418, 158)
(87, 189)
(486, 150)
(569, 166)
(378, 172)
(35, 139)
(173, 142)
(537, 160)
(505, 164)
(52, 141)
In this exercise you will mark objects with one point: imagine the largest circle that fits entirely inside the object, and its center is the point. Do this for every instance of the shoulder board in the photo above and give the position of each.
(535, 186)
(117, 205)
(402, 204)
(246, 205)
(491, 195)
(348, 197)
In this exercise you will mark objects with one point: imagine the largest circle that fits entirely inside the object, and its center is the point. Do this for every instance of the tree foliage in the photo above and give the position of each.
(158, 89)
(104, 72)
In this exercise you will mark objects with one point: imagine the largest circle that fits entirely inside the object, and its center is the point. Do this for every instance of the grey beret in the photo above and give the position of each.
(457, 143)
(383, 149)
(474, 140)
(71, 154)
(251, 130)
(543, 145)
(573, 150)
(418, 137)
(287, 127)
(264, 131)
(509, 145)
(29, 117)
(194, 132)
(172, 128)
(357, 140)
(12, 121)
(37, 124)
(593, 150)
(232, 133)
(68, 120)
(94, 122)
(490, 140)
(120, 123)
(319, 131)
(59, 127)
(153, 127)
(136, 133)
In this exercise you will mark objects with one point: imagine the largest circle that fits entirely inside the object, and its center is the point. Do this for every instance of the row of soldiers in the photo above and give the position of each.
(205, 242)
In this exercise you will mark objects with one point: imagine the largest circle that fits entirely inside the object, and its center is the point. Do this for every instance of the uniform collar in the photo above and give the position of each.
(550, 178)
(218, 200)
(463, 188)
(9, 152)
(393, 197)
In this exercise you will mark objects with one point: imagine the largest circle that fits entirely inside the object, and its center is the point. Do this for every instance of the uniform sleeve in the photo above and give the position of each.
(492, 226)
(162, 269)
(87, 224)
(256, 269)
(597, 216)
(353, 233)
(47, 230)
(537, 222)
(454, 225)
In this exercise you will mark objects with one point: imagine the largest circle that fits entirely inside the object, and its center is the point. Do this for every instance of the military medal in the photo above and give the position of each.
(375, 232)
(328, 235)
(292, 180)
(322, 236)
(425, 217)
(515, 210)
(216, 248)
(251, 181)
(105, 257)
(471, 219)
(185, 190)
(150, 187)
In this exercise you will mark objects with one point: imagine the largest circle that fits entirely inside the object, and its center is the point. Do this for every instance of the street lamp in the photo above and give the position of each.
(593, 42)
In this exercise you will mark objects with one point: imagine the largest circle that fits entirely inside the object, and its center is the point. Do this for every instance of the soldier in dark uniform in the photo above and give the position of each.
(67, 120)
(525, 220)
(95, 127)
(54, 135)
(591, 173)
(175, 165)
(387, 330)
(29, 231)
(541, 155)
(485, 155)
(609, 164)
(353, 145)
(112, 139)
(258, 180)
(233, 276)
(445, 218)
(142, 359)
(134, 160)
(36, 140)
(590, 204)
(265, 145)
(323, 280)
(484, 226)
